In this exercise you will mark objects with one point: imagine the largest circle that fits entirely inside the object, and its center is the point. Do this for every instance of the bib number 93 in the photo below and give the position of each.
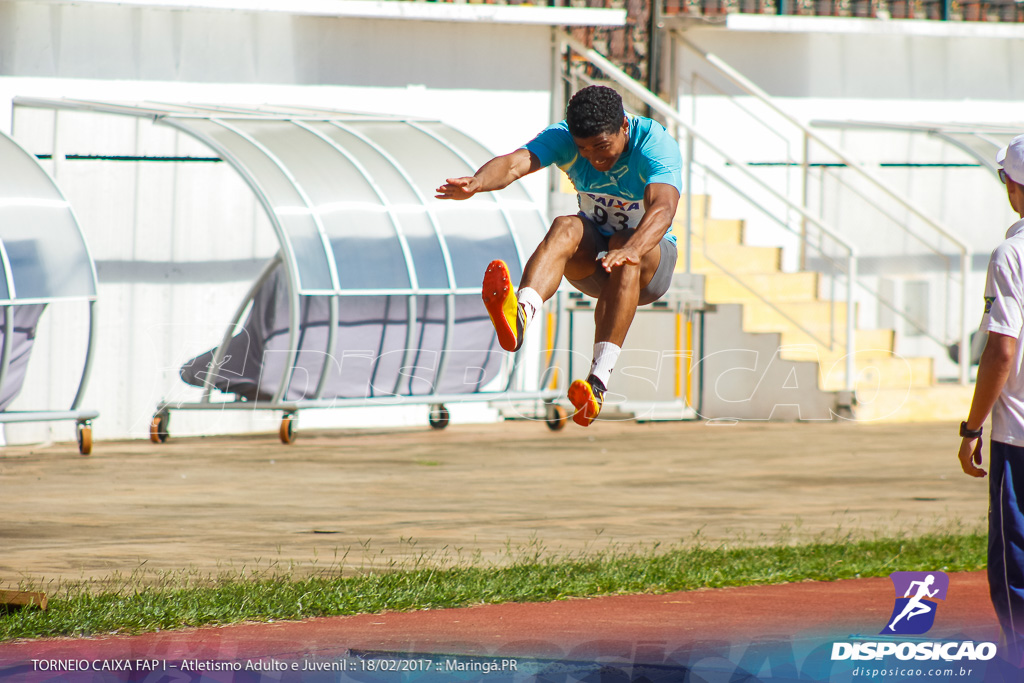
(617, 220)
(611, 213)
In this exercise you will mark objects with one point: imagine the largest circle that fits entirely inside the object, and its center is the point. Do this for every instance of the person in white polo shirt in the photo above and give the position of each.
(1000, 391)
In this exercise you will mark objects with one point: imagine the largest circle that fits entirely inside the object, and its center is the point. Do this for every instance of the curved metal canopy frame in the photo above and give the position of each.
(43, 259)
(350, 198)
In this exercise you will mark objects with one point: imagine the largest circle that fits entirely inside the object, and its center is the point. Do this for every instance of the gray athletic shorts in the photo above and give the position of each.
(655, 289)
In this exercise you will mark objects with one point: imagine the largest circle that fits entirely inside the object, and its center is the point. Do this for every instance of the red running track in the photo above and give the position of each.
(638, 628)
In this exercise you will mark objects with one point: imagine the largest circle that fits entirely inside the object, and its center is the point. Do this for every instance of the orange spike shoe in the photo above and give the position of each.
(500, 301)
(587, 396)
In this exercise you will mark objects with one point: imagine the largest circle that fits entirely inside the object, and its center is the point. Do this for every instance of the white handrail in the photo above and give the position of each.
(748, 85)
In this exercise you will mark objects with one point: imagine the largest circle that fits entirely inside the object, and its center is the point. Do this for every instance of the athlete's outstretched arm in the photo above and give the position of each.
(496, 174)
(661, 201)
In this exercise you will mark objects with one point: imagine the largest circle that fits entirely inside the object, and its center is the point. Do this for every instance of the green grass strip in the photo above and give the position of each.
(139, 604)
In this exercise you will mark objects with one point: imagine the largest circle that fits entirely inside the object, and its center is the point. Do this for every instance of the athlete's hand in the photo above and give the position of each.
(970, 457)
(620, 257)
(458, 188)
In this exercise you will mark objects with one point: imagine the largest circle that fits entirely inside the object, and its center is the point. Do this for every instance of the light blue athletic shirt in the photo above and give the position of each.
(614, 200)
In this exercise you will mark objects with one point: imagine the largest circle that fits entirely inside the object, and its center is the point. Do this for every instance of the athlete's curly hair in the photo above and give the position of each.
(594, 110)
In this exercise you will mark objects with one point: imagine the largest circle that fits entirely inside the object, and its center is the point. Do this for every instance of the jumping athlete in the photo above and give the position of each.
(627, 172)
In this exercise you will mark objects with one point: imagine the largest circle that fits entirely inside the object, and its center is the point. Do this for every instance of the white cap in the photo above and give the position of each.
(1011, 158)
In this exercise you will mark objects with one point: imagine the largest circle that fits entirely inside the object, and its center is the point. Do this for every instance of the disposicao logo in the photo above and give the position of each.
(914, 612)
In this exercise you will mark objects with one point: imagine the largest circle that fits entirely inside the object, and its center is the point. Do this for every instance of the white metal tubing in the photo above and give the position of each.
(557, 104)
(435, 224)
(399, 232)
(805, 165)
(378, 401)
(332, 329)
(90, 354)
(8, 344)
(449, 330)
(965, 338)
(410, 344)
(851, 324)
(9, 416)
(689, 205)
(513, 371)
(5, 263)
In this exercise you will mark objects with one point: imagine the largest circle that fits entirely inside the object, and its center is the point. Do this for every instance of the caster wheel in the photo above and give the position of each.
(158, 428)
(288, 431)
(84, 438)
(439, 416)
(557, 417)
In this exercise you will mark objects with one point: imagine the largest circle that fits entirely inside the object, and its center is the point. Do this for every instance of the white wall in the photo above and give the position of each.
(172, 272)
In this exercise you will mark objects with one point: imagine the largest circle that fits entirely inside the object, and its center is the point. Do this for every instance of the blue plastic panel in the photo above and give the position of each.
(42, 240)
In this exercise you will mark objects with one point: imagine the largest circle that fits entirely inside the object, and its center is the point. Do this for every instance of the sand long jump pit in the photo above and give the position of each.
(482, 493)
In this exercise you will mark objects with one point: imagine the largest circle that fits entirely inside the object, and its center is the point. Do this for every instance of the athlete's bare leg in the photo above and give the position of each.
(617, 304)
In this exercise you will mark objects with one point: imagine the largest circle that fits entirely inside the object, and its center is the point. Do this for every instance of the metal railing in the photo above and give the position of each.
(877, 193)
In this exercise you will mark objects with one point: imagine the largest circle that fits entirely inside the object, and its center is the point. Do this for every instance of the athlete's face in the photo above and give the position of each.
(602, 151)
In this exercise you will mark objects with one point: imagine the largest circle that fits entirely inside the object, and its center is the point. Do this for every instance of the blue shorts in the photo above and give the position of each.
(1006, 544)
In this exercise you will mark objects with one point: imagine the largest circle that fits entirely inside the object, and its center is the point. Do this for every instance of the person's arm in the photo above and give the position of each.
(660, 200)
(996, 361)
(496, 174)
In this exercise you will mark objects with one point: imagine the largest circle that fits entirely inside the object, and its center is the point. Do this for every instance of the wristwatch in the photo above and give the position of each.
(970, 433)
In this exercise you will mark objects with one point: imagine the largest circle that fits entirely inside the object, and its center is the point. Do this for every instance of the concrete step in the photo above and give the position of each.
(736, 258)
(875, 373)
(756, 287)
(810, 330)
(868, 343)
(827, 322)
(711, 230)
(947, 403)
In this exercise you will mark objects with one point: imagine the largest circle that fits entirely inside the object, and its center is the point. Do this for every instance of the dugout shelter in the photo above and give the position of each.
(43, 259)
(373, 295)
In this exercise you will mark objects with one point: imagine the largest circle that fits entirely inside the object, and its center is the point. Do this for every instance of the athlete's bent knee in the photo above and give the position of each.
(566, 227)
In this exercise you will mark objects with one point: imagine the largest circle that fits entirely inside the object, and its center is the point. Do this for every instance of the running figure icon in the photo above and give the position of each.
(916, 605)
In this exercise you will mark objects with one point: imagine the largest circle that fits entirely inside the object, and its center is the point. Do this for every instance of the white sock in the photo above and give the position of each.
(531, 302)
(605, 356)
